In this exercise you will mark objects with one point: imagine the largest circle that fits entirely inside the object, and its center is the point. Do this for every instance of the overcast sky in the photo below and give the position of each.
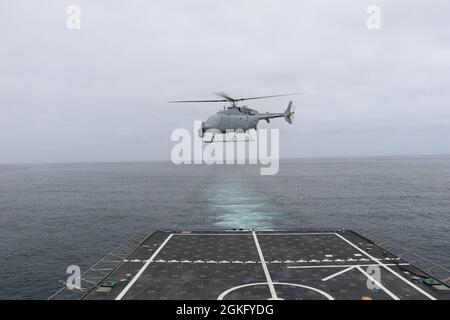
(99, 93)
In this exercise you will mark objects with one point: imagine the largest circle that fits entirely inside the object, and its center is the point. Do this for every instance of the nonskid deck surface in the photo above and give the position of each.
(264, 265)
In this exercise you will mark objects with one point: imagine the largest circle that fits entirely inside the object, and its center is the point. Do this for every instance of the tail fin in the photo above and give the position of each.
(289, 113)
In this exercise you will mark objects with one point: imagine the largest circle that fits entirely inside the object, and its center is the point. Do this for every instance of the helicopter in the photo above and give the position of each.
(238, 118)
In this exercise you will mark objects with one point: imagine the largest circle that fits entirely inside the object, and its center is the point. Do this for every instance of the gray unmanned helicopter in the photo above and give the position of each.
(239, 118)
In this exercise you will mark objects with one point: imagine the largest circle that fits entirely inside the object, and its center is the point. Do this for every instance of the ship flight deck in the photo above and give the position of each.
(249, 264)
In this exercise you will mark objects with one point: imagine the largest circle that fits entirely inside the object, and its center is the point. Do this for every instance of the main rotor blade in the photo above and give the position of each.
(182, 101)
(273, 96)
(227, 98)
(224, 95)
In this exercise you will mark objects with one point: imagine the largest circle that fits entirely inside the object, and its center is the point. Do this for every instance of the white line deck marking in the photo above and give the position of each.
(249, 233)
(393, 296)
(295, 234)
(249, 261)
(223, 294)
(338, 273)
(131, 283)
(324, 266)
(266, 270)
(387, 268)
(389, 293)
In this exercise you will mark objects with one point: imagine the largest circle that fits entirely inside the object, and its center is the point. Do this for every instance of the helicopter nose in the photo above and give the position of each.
(202, 130)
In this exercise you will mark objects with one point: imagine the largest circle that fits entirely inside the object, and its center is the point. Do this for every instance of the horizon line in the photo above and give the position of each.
(281, 159)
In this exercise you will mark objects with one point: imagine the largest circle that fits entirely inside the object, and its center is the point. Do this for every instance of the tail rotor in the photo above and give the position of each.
(289, 113)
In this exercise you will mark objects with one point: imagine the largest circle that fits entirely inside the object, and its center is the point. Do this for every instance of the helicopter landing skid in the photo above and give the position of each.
(212, 141)
(233, 140)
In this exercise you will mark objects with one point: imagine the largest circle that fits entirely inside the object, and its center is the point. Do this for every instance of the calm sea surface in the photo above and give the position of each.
(52, 216)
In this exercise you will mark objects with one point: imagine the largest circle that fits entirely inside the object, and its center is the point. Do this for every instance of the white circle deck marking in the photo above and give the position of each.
(223, 294)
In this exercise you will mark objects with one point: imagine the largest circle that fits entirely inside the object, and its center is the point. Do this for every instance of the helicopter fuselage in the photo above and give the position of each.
(231, 120)
(238, 119)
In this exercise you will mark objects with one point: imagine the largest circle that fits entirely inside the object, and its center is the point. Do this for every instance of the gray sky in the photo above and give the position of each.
(99, 93)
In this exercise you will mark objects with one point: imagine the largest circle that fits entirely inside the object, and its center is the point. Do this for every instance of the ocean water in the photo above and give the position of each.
(53, 216)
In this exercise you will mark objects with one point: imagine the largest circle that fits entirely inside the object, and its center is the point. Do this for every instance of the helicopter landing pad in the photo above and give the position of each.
(262, 265)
